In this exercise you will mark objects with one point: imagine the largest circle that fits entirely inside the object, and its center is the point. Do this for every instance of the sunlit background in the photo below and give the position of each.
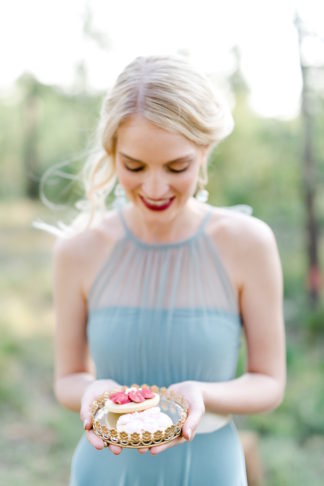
(57, 60)
(51, 40)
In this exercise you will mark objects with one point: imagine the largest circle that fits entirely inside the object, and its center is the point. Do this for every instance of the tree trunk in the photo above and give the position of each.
(308, 181)
(30, 148)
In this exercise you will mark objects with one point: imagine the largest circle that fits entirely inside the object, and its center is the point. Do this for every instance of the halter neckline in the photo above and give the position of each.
(174, 244)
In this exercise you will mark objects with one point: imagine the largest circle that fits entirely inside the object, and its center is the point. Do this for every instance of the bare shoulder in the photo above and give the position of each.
(240, 231)
(244, 242)
(84, 242)
(84, 252)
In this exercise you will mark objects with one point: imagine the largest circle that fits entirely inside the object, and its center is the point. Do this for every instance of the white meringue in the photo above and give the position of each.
(149, 420)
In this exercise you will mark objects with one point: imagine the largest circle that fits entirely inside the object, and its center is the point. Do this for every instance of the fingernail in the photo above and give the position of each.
(189, 433)
(86, 423)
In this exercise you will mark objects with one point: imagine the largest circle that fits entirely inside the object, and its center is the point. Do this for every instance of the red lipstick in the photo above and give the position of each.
(155, 207)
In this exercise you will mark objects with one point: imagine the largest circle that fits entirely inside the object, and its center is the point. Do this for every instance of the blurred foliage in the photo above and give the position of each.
(64, 124)
(35, 426)
(259, 164)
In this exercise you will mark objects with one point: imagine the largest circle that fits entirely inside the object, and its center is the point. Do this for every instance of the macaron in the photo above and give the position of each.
(132, 400)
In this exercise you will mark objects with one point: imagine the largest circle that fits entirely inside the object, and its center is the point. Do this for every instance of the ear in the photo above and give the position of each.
(205, 151)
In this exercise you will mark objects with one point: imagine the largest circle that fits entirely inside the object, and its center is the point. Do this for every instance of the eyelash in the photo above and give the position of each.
(178, 171)
(134, 170)
(138, 169)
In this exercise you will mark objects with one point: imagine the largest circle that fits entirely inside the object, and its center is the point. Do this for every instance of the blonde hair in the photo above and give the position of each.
(169, 92)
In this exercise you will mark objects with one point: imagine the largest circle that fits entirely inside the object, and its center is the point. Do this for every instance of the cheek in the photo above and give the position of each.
(127, 180)
(188, 181)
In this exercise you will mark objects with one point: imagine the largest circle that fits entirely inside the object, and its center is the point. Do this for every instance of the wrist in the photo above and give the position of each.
(101, 386)
(69, 389)
(210, 391)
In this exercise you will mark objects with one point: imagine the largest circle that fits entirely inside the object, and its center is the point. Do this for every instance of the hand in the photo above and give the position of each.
(91, 393)
(191, 391)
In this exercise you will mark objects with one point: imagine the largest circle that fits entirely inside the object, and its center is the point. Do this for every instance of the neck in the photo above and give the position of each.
(181, 226)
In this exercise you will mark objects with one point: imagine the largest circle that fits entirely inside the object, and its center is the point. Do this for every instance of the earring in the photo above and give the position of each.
(202, 195)
(120, 197)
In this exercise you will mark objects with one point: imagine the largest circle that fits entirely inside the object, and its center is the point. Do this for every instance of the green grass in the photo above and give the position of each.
(38, 436)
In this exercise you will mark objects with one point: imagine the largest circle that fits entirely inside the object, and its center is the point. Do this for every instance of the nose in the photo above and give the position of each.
(155, 185)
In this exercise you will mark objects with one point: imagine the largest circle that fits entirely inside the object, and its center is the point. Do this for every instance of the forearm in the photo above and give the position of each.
(70, 389)
(250, 393)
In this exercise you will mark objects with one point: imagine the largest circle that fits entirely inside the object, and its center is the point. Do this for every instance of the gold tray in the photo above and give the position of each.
(104, 422)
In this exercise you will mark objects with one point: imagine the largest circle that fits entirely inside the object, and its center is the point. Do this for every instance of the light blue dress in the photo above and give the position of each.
(161, 314)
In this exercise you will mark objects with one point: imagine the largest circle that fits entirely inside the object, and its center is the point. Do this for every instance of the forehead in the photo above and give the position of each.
(141, 139)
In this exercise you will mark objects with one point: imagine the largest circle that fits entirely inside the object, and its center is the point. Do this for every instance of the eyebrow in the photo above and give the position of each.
(179, 159)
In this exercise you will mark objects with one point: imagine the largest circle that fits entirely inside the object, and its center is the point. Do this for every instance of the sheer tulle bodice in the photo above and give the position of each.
(162, 313)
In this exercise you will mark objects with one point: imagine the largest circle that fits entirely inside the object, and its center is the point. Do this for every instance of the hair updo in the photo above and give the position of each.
(168, 91)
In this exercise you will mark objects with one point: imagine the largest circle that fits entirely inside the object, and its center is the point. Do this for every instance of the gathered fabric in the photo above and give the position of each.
(160, 314)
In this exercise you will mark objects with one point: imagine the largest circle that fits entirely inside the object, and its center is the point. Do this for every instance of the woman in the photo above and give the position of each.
(158, 290)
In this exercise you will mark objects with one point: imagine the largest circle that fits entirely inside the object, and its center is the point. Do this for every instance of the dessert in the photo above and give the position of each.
(149, 420)
(132, 400)
(144, 425)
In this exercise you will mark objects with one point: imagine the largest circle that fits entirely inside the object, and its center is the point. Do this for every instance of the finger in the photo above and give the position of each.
(115, 449)
(87, 423)
(158, 449)
(190, 426)
(143, 450)
(94, 440)
(85, 414)
(91, 395)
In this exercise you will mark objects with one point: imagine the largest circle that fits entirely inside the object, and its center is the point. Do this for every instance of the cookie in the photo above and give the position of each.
(132, 400)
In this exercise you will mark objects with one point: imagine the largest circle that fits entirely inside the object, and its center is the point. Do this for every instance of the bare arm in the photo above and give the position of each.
(75, 383)
(261, 388)
(72, 373)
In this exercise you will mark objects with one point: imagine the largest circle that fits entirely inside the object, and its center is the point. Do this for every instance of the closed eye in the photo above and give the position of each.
(136, 169)
(133, 167)
(175, 166)
(178, 171)
(178, 167)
